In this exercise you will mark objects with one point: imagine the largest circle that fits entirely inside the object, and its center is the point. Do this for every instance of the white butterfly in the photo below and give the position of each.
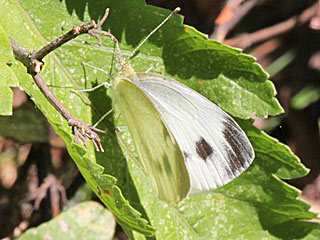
(186, 143)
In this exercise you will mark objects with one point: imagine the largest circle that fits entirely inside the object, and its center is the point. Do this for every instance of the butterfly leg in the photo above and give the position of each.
(98, 86)
(122, 128)
(99, 69)
(92, 89)
(103, 117)
(151, 67)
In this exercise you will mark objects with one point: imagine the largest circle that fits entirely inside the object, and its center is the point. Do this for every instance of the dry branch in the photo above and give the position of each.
(33, 62)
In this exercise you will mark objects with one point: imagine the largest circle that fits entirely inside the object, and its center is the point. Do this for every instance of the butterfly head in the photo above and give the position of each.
(123, 67)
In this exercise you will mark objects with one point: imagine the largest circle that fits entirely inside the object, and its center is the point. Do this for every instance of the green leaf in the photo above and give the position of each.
(34, 27)
(27, 124)
(278, 158)
(87, 220)
(253, 206)
(7, 77)
(225, 75)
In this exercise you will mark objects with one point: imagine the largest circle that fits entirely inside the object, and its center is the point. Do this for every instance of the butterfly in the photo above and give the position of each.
(186, 143)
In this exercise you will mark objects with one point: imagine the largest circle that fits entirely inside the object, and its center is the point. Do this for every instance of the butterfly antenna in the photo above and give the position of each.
(150, 34)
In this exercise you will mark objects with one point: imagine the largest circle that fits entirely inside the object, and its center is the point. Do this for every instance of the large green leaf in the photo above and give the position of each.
(256, 205)
(7, 77)
(58, 76)
(86, 220)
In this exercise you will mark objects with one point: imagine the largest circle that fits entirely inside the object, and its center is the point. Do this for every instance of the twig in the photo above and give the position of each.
(265, 48)
(230, 15)
(94, 32)
(315, 21)
(247, 39)
(52, 184)
(33, 63)
(73, 33)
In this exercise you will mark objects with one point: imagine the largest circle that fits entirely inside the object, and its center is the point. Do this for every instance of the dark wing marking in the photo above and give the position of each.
(204, 150)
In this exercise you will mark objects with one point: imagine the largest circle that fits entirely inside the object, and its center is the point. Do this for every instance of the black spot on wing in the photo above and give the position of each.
(204, 150)
(236, 148)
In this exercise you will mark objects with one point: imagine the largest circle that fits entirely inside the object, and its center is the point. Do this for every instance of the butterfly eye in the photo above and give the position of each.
(117, 66)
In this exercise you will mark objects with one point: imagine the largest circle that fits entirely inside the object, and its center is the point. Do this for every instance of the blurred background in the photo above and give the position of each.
(284, 36)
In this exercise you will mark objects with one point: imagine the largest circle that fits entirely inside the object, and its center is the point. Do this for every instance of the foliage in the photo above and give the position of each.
(87, 220)
(7, 77)
(256, 205)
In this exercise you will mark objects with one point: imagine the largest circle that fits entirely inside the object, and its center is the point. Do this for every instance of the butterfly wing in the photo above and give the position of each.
(215, 148)
(158, 151)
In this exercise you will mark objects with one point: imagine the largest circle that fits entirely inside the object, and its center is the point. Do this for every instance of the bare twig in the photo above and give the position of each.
(94, 32)
(315, 21)
(52, 184)
(76, 31)
(236, 12)
(247, 39)
(265, 48)
(33, 63)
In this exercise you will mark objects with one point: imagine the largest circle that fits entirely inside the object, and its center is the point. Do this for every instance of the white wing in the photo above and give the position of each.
(215, 148)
